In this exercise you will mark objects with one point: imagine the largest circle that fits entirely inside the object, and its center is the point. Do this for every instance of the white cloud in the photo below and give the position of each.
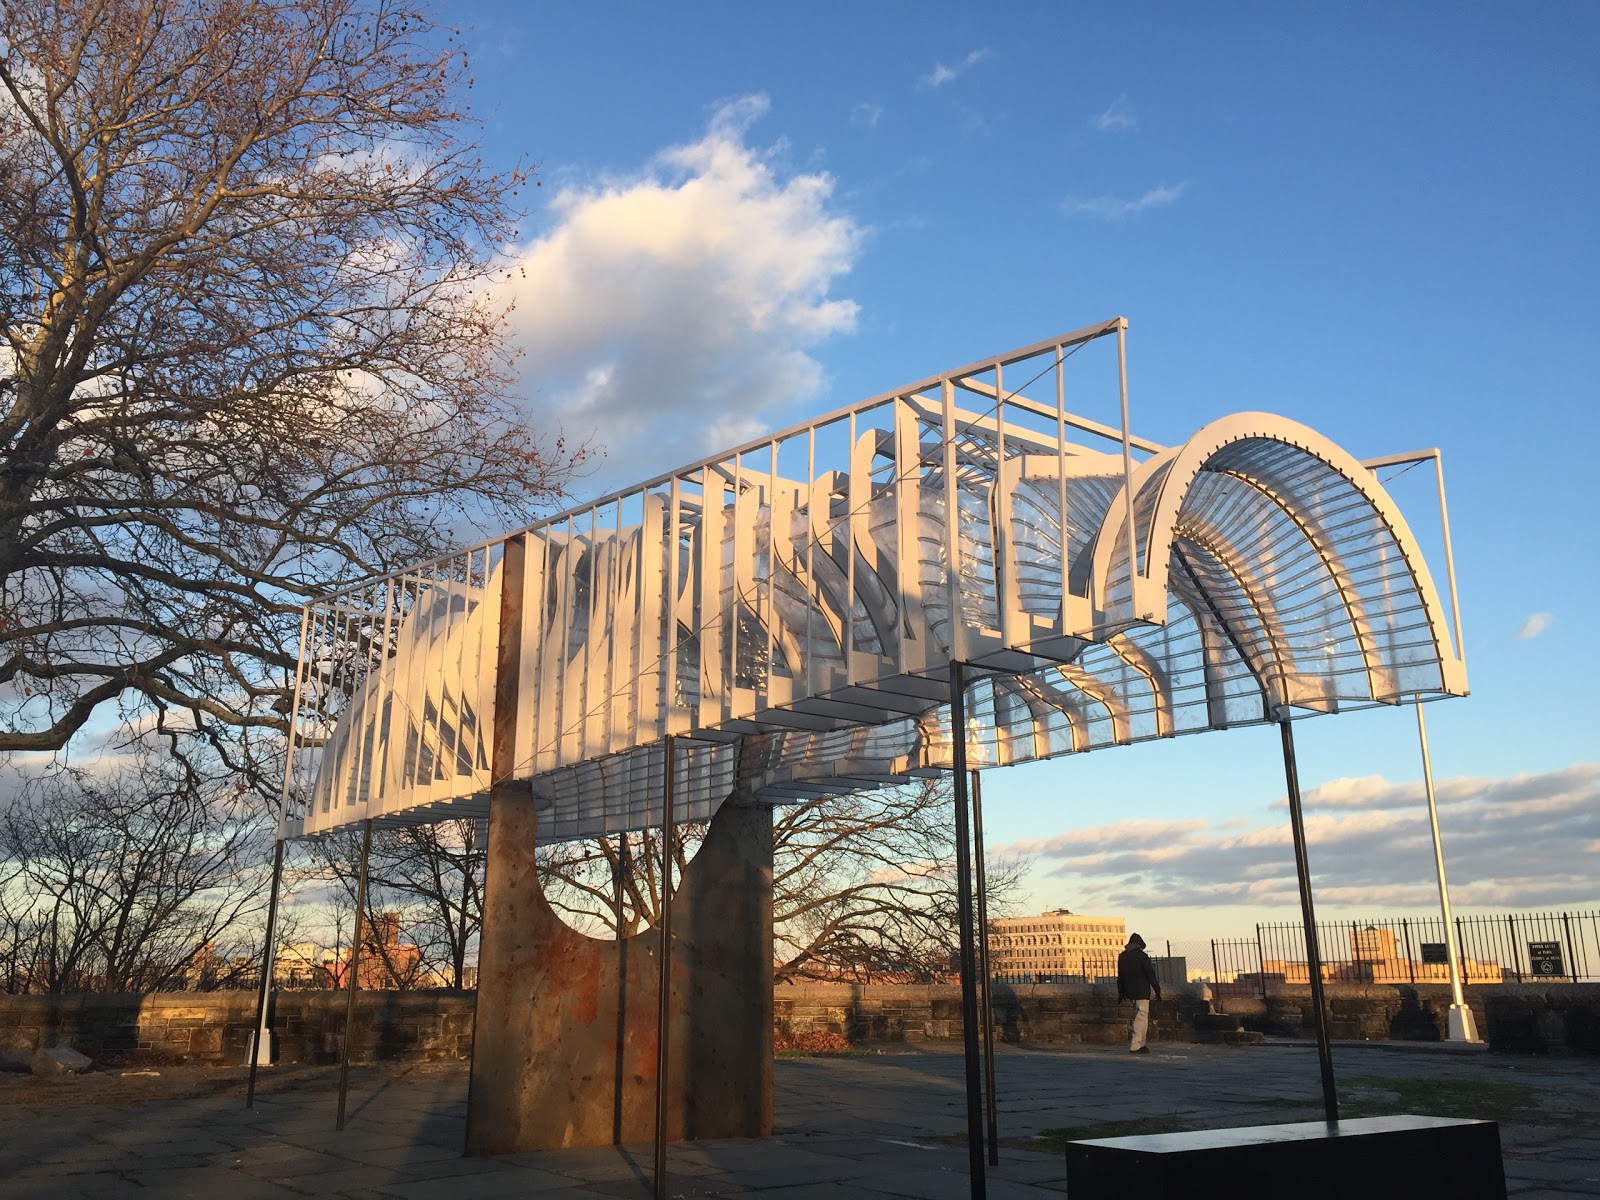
(866, 114)
(1118, 118)
(1526, 840)
(941, 74)
(1535, 625)
(1110, 208)
(673, 308)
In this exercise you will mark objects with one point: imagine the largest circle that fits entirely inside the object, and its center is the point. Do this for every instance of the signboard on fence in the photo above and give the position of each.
(1435, 952)
(1544, 959)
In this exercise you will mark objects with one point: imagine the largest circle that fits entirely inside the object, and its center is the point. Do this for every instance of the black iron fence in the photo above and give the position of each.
(1502, 948)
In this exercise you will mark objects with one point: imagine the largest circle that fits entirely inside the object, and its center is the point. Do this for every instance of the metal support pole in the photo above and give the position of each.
(355, 972)
(664, 1009)
(1261, 961)
(1462, 1028)
(985, 1000)
(1291, 775)
(1572, 958)
(261, 1040)
(969, 965)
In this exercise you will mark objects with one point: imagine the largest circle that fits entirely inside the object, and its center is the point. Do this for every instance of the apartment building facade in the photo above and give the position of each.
(1055, 944)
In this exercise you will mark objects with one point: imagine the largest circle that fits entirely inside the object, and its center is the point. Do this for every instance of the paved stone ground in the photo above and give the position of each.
(874, 1126)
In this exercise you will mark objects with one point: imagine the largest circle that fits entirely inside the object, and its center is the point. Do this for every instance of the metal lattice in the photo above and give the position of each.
(792, 607)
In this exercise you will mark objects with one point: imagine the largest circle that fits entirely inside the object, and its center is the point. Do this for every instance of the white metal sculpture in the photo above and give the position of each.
(793, 605)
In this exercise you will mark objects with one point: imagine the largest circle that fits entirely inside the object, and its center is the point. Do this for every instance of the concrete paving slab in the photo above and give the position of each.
(860, 1128)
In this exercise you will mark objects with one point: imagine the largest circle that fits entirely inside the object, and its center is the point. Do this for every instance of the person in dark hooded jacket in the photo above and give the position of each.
(1136, 980)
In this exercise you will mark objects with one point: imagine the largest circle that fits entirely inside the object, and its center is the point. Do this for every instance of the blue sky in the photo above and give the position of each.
(1380, 222)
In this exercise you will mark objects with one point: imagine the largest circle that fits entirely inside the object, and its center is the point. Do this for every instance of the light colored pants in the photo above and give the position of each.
(1141, 1024)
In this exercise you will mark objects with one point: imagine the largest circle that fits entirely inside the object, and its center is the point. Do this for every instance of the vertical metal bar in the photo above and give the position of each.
(1411, 960)
(812, 591)
(1291, 774)
(769, 615)
(294, 718)
(1261, 962)
(664, 997)
(985, 1000)
(355, 973)
(1000, 524)
(1461, 1021)
(261, 1040)
(952, 530)
(850, 519)
(1216, 973)
(1572, 959)
(731, 683)
(1127, 470)
(1061, 484)
(669, 624)
(1516, 958)
(1449, 557)
(969, 966)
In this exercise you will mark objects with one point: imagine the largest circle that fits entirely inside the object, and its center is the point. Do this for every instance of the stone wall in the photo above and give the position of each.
(215, 1026)
(1080, 1014)
(1558, 1018)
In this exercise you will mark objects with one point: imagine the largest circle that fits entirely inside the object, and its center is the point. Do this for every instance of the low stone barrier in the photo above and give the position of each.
(214, 1027)
(1544, 1018)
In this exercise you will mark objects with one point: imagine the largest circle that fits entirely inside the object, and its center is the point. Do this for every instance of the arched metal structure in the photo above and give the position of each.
(794, 605)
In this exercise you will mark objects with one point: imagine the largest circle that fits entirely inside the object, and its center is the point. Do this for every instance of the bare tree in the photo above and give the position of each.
(863, 885)
(424, 905)
(247, 254)
(142, 880)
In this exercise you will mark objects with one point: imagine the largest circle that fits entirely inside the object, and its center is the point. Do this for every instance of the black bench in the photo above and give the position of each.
(1406, 1157)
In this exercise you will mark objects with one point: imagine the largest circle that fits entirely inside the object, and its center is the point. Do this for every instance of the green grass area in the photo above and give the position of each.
(1460, 1098)
(1463, 1098)
(1055, 1140)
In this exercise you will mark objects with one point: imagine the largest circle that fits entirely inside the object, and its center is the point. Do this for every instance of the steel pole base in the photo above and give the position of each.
(1462, 1026)
(260, 1050)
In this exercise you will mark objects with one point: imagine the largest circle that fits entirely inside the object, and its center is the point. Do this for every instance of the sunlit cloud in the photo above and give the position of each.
(1521, 841)
(669, 310)
(1112, 208)
(1118, 118)
(941, 74)
(1535, 625)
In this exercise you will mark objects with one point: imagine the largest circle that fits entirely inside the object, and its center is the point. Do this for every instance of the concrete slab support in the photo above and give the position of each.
(565, 1053)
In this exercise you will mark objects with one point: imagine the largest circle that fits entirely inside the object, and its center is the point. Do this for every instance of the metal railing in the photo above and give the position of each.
(1494, 949)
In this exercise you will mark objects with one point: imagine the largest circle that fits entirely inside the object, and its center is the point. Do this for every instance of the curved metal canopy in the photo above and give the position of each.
(792, 608)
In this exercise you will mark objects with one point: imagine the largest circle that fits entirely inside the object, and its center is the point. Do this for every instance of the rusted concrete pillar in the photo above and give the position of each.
(564, 1052)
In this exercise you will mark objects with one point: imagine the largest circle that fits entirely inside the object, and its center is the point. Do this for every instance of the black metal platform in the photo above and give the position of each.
(1404, 1157)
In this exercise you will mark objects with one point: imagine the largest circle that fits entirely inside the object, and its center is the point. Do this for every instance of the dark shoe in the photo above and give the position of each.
(1140, 1050)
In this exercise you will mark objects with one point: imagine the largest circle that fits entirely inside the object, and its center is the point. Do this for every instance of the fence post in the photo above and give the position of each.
(1216, 975)
(1261, 962)
(1572, 962)
(1465, 973)
(1515, 957)
(1411, 962)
